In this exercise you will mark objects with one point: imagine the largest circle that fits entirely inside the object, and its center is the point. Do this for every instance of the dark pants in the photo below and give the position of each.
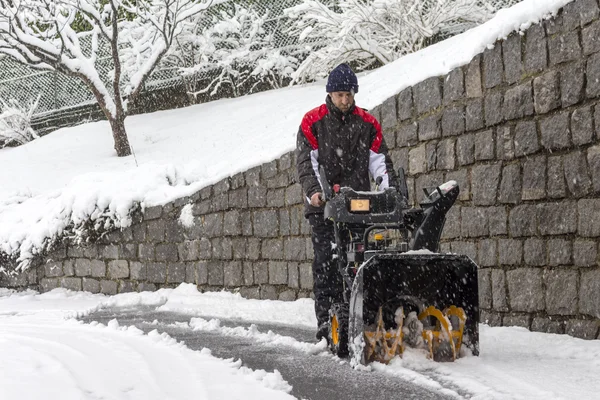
(328, 287)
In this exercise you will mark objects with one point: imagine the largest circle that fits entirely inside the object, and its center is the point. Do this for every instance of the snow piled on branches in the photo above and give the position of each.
(242, 49)
(15, 123)
(370, 34)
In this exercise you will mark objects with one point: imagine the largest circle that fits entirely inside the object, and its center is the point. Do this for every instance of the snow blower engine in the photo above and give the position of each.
(398, 291)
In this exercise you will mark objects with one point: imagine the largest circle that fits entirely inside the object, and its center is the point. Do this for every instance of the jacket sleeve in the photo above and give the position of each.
(307, 165)
(380, 163)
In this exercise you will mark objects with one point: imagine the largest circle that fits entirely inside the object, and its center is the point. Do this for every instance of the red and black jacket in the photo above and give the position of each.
(348, 145)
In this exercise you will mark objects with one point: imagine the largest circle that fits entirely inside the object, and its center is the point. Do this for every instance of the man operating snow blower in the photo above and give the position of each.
(379, 281)
(347, 142)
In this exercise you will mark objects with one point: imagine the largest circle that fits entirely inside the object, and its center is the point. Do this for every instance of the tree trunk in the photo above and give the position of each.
(120, 136)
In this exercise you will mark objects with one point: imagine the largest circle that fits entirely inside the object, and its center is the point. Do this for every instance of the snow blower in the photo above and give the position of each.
(398, 291)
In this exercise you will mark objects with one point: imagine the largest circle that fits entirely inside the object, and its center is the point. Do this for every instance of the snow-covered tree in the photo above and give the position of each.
(50, 35)
(15, 122)
(233, 49)
(370, 33)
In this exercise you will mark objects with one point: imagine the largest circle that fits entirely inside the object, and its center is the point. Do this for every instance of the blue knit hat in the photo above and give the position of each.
(342, 79)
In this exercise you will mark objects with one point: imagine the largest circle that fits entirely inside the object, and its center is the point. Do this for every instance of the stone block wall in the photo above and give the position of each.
(518, 128)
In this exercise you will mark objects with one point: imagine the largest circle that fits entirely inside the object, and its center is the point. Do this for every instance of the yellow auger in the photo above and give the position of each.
(443, 339)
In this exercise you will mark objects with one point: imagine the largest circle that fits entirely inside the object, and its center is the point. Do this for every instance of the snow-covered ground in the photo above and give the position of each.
(47, 354)
(73, 174)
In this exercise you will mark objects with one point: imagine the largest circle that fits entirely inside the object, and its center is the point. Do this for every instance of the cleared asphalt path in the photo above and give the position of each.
(312, 377)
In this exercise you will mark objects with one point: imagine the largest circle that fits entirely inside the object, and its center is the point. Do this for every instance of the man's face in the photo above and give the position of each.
(342, 100)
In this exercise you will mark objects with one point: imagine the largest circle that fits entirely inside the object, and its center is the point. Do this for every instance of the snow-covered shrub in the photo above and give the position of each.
(234, 50)
(15, 122)
(371, 33)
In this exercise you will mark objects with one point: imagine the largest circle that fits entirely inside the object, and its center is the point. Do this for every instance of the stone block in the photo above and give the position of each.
(546, 325)
(257, 196)
(430, 127)
(518, 102)
(492, 67)
(137, 271)
(293, 195)
(253, 249)
(497, 217)
(278, 272)
(275, 198)
(47, 284)
(250, 293)
(465, 150)
(272, 249)
(269, 170)
(525, 289)
(487, 251)
(454, 86)
(201, 208)
(564, 47)
(91, 251)
(468, 249)
(407, 135)
(246, 217)
(534, 252)
(232, 225)
(493, 108)
(473, 86)
(522, 321)
(174, 230)
(238, 198)
(522, 220)
(417, 160)
(474, 115)
(167, 252)
(582, 329)
(205, 192)
(126, 287)
(266, 223)
(389, 117)
(287, 295)
(484, 145)
(220, 202)
(108, 287)
(128, 251)
(576, 174)
(505, 143)
(83, 267)
(146, 287)
(490, 318)
(404, 101)
(557, 188)
(526, 138)
(559, 252)
(511, 54)
(510, 252)
(215, 273)
(293, 275)
(294, 249)
(306, 276)
(261, 273)
(90, 285)
(247, 273)
(427, 95)
(589, 38)
(189, 250)
(485, 180)
(589, 301)
(557, 218)
(400, 158)
(201, 272)
(555, 132)
(268, 292)
(593, 159)
(285, 161)
(474, 222)
(222, 186)
(204, 249)
(69, 268)
(452, 225)
(239, 248)
(546, 89)
(536, 52)
(156, 272)
(534, 178)
(579, 13)
(445, 155)
(582, 126)
(176, 272)
(118, 269)
(222, 249)
(151, 213)
(233, 274)
(499, 299)
(431, 149)
(53, 269)
(453, 121)
(585, 253)
(510, 185)
(592, 89)
(572, 84)
(156, 231)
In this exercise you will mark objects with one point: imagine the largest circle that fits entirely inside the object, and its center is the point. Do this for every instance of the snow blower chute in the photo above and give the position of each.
(398, 291)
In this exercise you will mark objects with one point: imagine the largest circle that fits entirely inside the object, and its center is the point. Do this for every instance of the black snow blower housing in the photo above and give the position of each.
(398, 291)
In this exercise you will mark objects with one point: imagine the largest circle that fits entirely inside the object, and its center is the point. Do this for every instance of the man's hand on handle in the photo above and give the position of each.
(316, 200)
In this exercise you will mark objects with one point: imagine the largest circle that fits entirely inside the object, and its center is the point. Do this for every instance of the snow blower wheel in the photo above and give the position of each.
(338, 331)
